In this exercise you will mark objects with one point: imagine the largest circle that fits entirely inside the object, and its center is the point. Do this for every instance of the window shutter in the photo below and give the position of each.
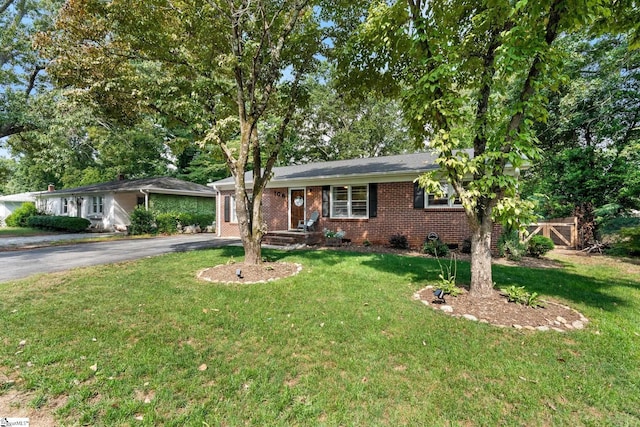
(373, 200)
(227, 208)
(418, 196)
(326, 200)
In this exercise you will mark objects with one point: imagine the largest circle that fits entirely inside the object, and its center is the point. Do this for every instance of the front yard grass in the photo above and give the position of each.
(341, 343)
(21, 232)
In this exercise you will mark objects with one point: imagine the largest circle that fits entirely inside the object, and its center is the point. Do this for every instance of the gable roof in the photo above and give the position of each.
(163, 185)
(396, 168)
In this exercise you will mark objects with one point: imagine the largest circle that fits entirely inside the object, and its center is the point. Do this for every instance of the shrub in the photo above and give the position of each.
(614, 225)
(200, 219)
(510, 246)
(630, 240)
(330, 234)
(142, 221)
(167, 223)
(466, 246)
(20, 216)
(59, 223)
(539, 245)
(518, 295)
(399, 241)
(435, 248)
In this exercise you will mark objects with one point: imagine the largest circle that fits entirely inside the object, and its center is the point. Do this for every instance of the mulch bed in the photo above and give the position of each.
(494, 309)
(266, 272)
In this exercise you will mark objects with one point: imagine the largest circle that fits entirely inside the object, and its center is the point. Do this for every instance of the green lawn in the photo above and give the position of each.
(21, 232)
(342, 343)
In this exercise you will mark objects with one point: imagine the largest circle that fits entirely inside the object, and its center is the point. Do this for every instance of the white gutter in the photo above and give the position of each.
(177, 192)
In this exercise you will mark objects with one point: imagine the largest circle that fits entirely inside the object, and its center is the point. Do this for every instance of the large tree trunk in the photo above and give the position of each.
(481, 277)
(252, 250)
(250, 222)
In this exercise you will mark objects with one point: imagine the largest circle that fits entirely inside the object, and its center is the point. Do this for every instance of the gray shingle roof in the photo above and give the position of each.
(371, 166)
(20, 197)
(158, 184)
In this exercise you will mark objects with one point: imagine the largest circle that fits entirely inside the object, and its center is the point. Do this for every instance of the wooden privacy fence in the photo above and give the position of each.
(563, 231)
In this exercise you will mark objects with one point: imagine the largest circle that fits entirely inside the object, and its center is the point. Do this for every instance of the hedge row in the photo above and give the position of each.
(148, 222)
(59, 223)
(168, 222)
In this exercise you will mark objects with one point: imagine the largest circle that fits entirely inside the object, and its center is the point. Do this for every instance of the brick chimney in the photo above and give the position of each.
(51, 188)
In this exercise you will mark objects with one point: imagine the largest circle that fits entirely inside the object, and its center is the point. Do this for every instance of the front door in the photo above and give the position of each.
(297, 207)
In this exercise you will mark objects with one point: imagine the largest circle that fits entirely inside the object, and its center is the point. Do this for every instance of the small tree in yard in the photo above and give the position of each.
(470, 74)
(219, 68)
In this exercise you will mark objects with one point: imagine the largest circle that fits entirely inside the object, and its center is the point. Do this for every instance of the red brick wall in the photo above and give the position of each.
(275, 204)
(395, 215)
(227, 229)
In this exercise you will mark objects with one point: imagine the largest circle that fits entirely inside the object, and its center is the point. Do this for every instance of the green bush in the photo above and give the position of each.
(20, 216)
(510, 246)
(201, 219)
(142, 221)
(518, 295)
(539, 245)
(435, 248)
(614, 225)
(399, 241)
(466, 246)
(59, 223)
(630, 240)
(168, 222)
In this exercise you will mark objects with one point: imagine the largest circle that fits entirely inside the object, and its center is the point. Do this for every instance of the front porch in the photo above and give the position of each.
(292, 237)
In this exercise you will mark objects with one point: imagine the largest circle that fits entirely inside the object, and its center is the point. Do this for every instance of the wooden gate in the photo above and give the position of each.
(563, 231)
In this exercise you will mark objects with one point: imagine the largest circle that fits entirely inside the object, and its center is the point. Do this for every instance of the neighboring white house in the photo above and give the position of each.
(11, 202)
(108, 205)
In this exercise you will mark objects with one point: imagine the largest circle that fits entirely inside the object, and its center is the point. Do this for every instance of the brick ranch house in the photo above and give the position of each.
(370, 199)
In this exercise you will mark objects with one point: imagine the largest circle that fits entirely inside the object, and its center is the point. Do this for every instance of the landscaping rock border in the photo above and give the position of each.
(497, 311)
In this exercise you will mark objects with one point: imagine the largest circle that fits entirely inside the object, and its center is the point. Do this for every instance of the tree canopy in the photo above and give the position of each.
(218, 68)
(470, 74)
(591, 141)
(22, 76)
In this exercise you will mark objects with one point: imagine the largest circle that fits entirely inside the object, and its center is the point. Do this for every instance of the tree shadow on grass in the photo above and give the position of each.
(553, 282)
(549, 282)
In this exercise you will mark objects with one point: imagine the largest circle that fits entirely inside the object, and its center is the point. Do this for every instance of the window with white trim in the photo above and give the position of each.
(65, 205)
(450, 199)
(350, 201)
(97, 206)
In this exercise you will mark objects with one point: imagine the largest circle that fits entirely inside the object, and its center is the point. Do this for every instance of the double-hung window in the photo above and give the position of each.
(350, 201)
(65, 205)
(97, 206)
(450, 199)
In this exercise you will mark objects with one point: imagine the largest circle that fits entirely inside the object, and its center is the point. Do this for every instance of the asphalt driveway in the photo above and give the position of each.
(17, 264)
